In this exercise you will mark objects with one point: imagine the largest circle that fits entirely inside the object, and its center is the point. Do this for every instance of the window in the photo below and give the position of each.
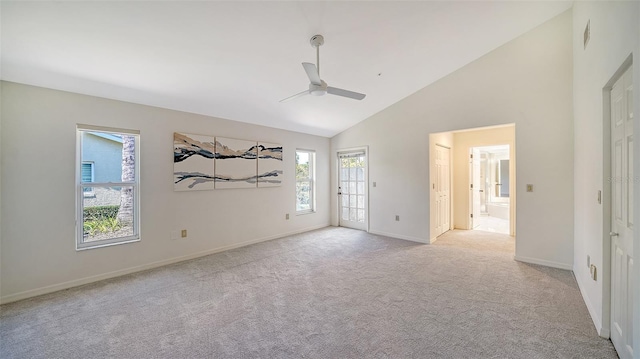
(108, 186)
(305, 181)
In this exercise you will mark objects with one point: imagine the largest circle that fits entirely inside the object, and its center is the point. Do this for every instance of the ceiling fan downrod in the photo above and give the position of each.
(317, 41)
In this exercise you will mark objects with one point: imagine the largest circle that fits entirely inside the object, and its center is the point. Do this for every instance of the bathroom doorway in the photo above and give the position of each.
(495, 211)
(489, 186)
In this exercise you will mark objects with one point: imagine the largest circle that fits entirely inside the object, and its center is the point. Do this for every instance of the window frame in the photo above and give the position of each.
(80, 185)
(311, 179)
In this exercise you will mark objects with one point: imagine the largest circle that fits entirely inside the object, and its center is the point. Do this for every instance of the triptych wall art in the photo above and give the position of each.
(207, 162)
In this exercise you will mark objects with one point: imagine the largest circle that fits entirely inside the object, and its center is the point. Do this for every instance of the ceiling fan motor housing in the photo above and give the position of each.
(316, 40)
(318, 90)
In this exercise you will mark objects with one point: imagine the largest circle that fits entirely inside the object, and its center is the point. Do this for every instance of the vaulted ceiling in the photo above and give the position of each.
(236, 60)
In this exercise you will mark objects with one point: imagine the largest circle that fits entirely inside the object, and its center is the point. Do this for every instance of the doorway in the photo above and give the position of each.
(489, 186)
(458, 177)
(352, 190)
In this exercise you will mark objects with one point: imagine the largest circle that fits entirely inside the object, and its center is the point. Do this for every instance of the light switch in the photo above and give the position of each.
(529, 188)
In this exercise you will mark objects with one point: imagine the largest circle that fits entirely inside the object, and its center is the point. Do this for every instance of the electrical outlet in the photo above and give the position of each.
(374, 184)
(397, 218)
(184, 233)
(286, 216)
(594, 272)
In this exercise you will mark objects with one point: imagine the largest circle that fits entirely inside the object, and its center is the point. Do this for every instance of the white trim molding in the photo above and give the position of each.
(597, 321)
(400, 236)
(544, 262)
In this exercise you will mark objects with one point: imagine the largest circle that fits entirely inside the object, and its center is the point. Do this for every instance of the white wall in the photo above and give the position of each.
(615, 34)
(38, 191)
(463, 141)
(526, 82)
(1, 165)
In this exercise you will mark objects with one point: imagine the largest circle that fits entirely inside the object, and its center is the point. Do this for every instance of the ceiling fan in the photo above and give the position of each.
(317, 86)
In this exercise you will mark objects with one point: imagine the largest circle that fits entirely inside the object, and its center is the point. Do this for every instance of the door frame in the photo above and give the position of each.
(605, 326)
(472, 160)
(512, 189)
(366, 182)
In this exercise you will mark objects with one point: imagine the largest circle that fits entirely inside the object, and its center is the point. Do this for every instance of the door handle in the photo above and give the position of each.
(613, 234)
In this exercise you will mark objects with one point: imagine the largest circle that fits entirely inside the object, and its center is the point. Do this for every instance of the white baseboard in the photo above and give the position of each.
(597, 320)
(82, 281)
(544, 262)
(400, 236)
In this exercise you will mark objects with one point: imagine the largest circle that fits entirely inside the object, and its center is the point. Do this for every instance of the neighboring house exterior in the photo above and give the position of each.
(101, 162)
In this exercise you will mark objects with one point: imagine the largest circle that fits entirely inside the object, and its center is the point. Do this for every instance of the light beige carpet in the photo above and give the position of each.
(330, 293)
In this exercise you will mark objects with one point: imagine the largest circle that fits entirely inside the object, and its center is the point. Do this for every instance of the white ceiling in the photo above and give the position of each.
(236, 60)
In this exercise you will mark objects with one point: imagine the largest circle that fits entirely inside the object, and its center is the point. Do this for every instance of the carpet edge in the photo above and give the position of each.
(118, 273)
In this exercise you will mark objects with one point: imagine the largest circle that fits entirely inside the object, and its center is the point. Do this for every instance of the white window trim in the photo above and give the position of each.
(80, 244)
(311, 180)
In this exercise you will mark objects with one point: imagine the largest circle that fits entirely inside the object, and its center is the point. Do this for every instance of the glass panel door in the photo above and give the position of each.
(352, 192)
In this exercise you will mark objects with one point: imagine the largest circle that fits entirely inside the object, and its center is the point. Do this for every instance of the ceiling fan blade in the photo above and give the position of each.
(294, 96)
(312, 73)
(345, 93)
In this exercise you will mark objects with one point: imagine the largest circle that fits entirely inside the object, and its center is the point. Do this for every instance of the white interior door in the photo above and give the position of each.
(353, 189)
(622, 215)
(442, 188)
(475, 187)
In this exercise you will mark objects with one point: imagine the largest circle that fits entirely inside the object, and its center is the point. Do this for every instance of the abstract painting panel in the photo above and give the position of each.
(270, 167)
(193, 162)
(236, 163)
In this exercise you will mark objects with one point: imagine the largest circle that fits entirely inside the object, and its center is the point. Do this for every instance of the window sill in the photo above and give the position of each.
(86, 246)
(302, 213)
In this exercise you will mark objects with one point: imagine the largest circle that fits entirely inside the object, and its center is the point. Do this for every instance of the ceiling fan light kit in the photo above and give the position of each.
(317, 86)
(318, 90)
